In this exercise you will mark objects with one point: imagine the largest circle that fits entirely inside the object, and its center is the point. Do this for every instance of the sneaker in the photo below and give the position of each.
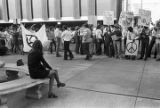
(61, 85)
(52, 95)
(71, 57)
(58, 55)
(140, 58)
(158, 59)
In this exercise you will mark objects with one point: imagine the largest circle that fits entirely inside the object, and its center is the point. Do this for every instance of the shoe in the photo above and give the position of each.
(145, 59)
(58, 55)
(140, 58)
(71, 58)
(87, 58)
(65, 59)
(52, 95)
(158, 59)
(61, 85)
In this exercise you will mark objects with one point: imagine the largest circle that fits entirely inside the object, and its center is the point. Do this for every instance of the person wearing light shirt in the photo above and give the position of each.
(99, 40)
(86, 40)
(66, 37)
(58, 33)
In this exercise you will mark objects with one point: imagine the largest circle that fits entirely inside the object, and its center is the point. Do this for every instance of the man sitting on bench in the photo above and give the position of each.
(40, 69)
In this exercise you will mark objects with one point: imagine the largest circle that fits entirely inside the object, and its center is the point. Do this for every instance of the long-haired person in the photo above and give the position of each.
(40, 69)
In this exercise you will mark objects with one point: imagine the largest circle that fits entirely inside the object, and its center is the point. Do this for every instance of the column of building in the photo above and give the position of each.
(92, 12)
(5, 16)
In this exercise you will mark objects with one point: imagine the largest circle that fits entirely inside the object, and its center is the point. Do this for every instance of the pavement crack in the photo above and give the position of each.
(139, 87)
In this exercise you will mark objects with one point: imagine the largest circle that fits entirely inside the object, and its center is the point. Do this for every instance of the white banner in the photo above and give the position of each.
(108, 18)
(126, 19)
(30, 37)
(145, 18)
(132, 47)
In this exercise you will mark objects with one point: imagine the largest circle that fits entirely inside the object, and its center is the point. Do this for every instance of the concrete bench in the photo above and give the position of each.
(32, 86)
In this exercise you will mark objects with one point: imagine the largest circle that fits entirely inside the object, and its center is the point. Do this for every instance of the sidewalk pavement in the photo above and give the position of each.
(100, 83)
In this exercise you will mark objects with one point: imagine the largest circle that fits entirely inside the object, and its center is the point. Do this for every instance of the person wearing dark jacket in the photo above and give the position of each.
(144, 37)
(108, 43)
(40, 69)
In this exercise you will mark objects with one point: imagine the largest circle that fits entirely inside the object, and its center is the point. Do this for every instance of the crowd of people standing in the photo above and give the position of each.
(90, 40)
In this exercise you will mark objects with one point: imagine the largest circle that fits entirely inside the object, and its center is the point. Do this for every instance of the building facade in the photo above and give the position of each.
(56, 10)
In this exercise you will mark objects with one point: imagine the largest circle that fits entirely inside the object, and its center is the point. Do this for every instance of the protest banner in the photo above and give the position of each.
(126, 19)
(132, 47)
(145, 17)
(29, 37)
(108, 18)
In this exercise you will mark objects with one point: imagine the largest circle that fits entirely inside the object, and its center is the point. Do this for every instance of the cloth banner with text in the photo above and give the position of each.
(108, 18)
(145, 17)
(126, 19)
(132, 47)
(29, 37)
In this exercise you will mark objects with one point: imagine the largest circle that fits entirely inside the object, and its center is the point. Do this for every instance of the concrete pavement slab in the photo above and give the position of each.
(116, 64)
(75, 98)
(108, 79)
(150, 86)
(147, 103)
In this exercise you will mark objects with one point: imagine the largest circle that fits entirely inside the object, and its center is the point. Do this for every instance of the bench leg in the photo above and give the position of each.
(34, 92)
(3, 102)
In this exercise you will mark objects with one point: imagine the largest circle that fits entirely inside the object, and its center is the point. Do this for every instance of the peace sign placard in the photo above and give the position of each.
(131, 47)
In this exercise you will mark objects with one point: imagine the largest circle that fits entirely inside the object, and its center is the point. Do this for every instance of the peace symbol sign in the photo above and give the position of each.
(131, 47)
(30, 39)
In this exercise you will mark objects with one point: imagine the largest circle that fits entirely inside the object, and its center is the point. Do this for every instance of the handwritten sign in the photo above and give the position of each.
(145, 18)
(126, 19)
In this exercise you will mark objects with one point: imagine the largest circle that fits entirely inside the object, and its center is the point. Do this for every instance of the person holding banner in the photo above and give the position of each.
(131, 36)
